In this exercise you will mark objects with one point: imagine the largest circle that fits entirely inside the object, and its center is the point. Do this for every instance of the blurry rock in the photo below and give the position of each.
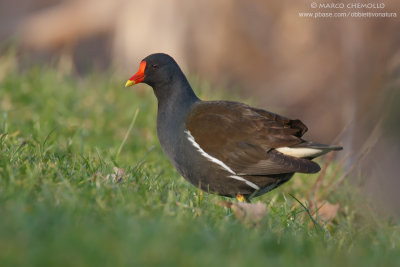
(68, 23)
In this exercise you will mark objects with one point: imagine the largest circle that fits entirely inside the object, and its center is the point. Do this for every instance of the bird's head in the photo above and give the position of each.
(155, 70)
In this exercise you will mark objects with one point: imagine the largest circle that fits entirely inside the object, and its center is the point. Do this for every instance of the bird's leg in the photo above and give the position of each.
(242, 198)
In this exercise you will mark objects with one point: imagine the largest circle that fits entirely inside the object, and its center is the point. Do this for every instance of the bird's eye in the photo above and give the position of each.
(155, 66)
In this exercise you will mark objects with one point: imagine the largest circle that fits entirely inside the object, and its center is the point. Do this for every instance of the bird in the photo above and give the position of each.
(222, 147)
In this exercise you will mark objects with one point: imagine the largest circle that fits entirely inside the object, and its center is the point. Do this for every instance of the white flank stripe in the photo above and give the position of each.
(244, 180)
(217, 161)
(205, 154)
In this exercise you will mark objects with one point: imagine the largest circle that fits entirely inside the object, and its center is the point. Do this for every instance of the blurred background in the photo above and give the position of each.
(340, 76)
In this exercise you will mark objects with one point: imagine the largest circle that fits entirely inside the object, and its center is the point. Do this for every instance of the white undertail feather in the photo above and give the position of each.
(218, 162)
(302, 152)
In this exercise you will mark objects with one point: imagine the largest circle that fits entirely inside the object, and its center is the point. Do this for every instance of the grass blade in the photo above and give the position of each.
(127, 133)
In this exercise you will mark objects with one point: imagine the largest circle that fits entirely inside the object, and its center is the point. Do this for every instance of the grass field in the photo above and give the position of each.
(61, 205)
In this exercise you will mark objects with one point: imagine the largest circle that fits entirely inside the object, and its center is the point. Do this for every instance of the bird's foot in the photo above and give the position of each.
(242, 198)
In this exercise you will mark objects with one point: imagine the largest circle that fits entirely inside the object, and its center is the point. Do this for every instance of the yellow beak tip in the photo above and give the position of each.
(129, 83)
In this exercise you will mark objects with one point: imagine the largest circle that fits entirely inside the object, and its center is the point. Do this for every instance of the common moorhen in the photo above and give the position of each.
(223, 147)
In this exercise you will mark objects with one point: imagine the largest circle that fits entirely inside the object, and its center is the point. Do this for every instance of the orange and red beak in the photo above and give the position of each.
(138, 77)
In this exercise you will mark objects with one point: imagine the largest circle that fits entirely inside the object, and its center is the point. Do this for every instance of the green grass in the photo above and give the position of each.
(61, 206)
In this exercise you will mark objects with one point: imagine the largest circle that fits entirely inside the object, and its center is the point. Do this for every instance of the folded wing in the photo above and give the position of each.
(246, 139)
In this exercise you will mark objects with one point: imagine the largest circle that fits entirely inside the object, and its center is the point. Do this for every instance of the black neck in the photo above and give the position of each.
(176, 95)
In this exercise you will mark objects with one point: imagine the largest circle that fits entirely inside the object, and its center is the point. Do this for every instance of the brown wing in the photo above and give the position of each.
(244, 138)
